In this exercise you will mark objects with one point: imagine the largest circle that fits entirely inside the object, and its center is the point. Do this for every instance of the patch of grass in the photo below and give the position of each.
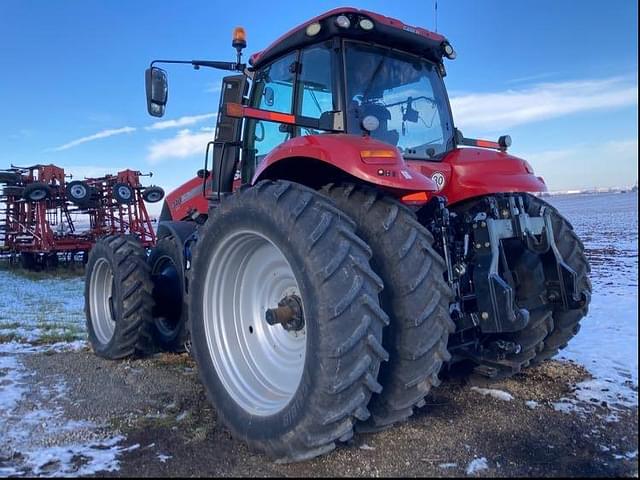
(12, 337)
(64, 271)
(9, 325)
(56, 337)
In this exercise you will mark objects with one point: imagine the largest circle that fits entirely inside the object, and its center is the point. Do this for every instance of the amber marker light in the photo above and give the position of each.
(239, 38)
(377, 154)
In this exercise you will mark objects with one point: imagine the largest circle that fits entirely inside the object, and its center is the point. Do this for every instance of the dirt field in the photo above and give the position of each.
(159, 406)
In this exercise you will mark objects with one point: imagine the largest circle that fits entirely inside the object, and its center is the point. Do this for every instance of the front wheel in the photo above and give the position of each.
(170, 310)
(118, 301)
(286, 327)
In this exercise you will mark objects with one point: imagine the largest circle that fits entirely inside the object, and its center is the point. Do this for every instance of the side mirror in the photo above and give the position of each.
(157, 90)
(458, 137)
(268, 96)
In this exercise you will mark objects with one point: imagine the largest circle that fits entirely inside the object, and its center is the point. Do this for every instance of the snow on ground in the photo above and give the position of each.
(497, 394)
(607, 343)
(477, 465)
(38, 439)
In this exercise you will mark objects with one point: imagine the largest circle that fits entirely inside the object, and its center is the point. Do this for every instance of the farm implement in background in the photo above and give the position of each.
(45, 217)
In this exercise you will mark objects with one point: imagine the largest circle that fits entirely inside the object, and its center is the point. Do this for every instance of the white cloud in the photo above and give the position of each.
(95, 136)
(184, 144)
(498, 111)
(608, 164)
(179, 122)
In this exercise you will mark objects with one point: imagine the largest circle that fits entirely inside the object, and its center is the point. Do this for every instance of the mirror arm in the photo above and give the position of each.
(230, 66)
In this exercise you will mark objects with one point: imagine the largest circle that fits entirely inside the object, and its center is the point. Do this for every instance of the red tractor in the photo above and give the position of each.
(346, 242)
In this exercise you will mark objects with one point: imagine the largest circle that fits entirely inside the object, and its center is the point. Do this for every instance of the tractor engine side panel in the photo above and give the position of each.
(188, 198)
(472, 172)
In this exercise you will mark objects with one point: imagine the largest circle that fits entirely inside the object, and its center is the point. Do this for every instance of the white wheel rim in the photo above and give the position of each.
(124, 192)
(101, 302)
(78, 191)
(259, 365)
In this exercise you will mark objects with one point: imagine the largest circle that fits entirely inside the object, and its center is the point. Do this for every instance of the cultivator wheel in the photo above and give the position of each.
(286, 327)
(123, 193)
(118, 298)
(78, 192)
(36, 192)
(170, 311)
(415, 297)
(153, 194)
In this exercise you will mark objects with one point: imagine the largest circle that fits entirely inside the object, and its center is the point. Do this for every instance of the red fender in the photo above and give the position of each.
(471, 172)
(365, 158)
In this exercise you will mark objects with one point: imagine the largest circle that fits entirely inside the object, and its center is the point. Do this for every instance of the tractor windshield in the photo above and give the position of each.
(404, 93)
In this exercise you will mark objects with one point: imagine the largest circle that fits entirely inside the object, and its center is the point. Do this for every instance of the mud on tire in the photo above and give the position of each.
(301, 234)
(415, 297)
(118, 300)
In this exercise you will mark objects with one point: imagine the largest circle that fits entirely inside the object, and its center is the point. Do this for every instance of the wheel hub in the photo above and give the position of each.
(288, 314)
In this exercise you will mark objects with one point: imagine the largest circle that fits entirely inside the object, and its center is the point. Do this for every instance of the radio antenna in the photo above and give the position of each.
(436, 13)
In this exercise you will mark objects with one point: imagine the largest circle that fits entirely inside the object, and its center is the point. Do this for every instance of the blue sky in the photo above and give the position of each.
(559, 76)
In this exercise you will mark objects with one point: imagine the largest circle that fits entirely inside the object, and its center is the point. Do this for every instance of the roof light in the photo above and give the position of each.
(366, 24)
(343, 21)
(449, 52)
(313, 29)
(239, 38)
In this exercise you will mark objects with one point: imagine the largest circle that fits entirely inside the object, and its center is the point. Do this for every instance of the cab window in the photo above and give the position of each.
(315, 82)
(273, 91)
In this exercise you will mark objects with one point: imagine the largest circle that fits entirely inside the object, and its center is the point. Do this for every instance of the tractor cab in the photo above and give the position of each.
(345, 72)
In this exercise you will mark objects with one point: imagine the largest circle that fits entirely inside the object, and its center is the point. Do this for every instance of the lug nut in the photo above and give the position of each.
(486, 244)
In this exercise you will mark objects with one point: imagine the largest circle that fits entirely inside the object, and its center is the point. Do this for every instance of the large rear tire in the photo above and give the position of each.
(169, 329)
(291, 391)
(566, 323)
(415, 297)
(118, 300)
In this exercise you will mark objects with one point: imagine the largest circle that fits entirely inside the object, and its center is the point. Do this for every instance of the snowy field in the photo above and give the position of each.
(42, 312)
(607, 343)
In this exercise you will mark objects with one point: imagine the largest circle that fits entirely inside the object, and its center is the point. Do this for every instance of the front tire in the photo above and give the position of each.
(169, 329)
(118, 301)
(292, 393)
(415, 297)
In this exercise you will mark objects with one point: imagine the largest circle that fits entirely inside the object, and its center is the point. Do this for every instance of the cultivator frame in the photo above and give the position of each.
(39, 205)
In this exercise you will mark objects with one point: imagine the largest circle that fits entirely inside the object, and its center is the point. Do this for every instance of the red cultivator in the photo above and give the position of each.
(43, 215)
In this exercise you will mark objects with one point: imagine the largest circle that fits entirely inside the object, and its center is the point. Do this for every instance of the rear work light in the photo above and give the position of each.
(343, 21)
(313, 29)
(366, 24)
(449, 52)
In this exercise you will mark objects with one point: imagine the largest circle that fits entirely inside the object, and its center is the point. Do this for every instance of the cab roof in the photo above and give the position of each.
(386, 31)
